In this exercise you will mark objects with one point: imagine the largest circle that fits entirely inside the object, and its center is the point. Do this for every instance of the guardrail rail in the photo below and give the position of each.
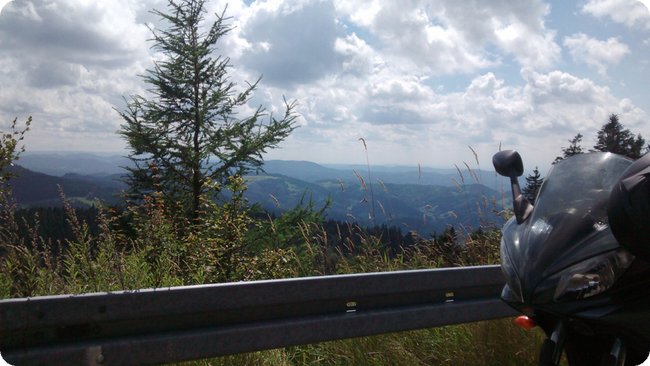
(193, 322)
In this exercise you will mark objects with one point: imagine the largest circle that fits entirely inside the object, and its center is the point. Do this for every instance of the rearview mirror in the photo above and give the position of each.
(508, 163)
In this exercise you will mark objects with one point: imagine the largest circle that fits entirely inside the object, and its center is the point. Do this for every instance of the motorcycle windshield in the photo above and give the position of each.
(569, 221)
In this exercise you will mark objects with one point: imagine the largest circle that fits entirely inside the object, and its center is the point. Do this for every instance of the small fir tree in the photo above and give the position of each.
(188, 128)
(533, 183)
(573, 149)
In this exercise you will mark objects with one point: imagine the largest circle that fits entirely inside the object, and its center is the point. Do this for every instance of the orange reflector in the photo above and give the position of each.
(525, 322)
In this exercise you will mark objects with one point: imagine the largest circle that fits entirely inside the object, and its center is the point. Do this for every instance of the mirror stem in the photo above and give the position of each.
(522, 207)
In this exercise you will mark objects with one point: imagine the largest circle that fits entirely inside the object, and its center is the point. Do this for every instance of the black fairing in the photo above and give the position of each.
(629, 208)
(568, 225)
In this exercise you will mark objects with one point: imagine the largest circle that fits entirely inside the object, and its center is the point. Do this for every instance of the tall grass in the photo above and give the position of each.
(144, 246)
(487, 343)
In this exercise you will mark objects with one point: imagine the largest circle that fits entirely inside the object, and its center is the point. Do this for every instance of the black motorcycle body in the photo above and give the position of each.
(565, 268)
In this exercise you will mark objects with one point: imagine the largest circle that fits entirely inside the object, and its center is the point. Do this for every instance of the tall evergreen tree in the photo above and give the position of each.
(533, 183)
(187, 135)
(613, 138)
(574, 148)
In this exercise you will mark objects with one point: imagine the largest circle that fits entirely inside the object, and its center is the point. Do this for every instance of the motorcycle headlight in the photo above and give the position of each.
(512, 291)
(591, 277)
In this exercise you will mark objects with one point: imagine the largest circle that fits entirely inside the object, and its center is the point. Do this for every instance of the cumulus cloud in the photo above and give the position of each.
(81, 32)
(595, 53)
(554, 104)
(291, 43)
(631, 13)
(568, 103)
(69, 62)
(444, 37)
(410, 77)
(358, 58)
(403, 117)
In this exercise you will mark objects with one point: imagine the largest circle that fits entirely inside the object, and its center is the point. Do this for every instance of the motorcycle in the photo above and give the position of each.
(577, 259)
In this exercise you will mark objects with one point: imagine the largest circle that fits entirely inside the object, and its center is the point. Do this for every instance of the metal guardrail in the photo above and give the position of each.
(192, 322)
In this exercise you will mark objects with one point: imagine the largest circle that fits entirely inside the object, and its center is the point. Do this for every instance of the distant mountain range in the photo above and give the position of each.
(60, 164)
(419, 207)
(426, 200)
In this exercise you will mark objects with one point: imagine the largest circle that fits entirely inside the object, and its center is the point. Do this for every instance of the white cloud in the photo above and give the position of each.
(299, 42)
(631, 13)
(290, 42)
(400, 115)
(3, 3)
(446, 37)
(415, 78)
(595, 53)
(78, 31)
(358, 58)
(571, 103)
(646, 3)
(68, 63)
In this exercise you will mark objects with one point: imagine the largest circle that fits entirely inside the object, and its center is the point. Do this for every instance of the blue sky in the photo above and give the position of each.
(420, 81)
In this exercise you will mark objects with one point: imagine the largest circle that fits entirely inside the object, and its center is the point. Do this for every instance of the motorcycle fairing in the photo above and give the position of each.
(568, 225)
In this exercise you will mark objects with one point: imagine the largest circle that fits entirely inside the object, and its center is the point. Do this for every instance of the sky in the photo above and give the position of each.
(420, 81)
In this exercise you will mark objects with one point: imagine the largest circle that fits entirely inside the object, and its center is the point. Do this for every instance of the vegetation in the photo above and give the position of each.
(479, 344)
(150, 251)
(533, 183)
(611, 137)
(10, 152)
(187, 220)
(144, 245)
(187, 139)
(573, 149)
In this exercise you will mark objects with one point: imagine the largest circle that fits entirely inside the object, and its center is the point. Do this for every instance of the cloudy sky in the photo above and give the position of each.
(420, 81)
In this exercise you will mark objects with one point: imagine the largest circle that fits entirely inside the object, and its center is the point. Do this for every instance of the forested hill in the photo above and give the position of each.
(419, 207)
(403, 197)
(33, 189)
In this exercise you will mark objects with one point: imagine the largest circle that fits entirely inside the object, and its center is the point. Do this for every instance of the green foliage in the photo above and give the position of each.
(9, 152)
(154, 251)
(574, 149)
(148, 245)
(189, 134)
(612, 137)
(480, 344)
(226, 244)
(9, 147)
(533, 183)
(144, 247)
(471, 344)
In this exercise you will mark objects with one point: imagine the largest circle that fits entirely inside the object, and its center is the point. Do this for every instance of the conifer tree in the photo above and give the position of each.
(573, 149)
(533, 183)
(613, 138)
(186, 137)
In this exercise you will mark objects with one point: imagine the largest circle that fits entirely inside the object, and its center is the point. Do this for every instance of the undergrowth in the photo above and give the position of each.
(146, 246)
